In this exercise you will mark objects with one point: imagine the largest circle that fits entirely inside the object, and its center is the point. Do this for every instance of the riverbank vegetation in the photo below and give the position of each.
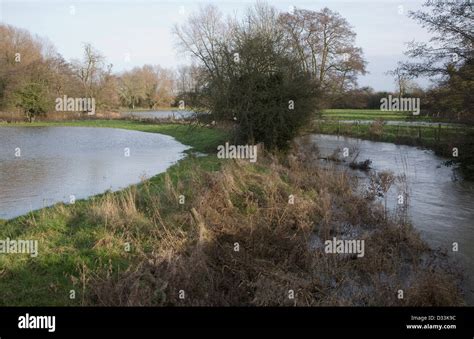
(443, 139)
(236, 233)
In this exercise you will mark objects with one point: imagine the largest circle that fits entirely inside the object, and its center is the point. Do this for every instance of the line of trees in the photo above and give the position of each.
(266, 66)
(33, 74)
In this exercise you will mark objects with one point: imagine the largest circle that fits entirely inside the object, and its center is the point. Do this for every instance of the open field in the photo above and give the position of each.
(429, 136)
(438, 136)
(372, 114)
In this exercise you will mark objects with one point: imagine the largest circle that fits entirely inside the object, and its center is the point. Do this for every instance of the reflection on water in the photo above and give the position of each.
(57, 162)
(440, 207)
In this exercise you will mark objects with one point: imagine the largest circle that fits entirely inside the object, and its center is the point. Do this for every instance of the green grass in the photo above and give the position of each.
(371, 114)
(439, 138)
(67, 235)
(67, 238)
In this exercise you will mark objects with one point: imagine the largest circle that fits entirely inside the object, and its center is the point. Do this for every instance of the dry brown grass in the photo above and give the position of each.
(376, 128)
(191, 248)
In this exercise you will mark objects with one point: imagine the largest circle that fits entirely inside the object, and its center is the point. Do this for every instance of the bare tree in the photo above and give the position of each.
(203, 37)
(447, 58)
(324, 42)
(452, 23)
(88, 70)
(402, 80)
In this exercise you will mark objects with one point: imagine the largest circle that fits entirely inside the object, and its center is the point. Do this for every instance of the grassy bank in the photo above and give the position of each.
(372, 114)
(439, 137)
(436, 137)
(234, 240)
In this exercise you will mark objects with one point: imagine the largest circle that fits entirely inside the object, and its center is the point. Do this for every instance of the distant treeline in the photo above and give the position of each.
(33, 74)
(267, 71)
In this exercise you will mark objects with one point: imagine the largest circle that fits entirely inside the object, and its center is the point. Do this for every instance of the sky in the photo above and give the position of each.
(133, 33)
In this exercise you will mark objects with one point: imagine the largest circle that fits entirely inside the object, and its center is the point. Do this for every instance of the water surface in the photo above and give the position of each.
(57, 162)
(441, 204)
(398, 123)
(176, 114)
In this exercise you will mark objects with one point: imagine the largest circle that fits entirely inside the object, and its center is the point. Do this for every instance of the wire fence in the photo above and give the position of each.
(429, 134)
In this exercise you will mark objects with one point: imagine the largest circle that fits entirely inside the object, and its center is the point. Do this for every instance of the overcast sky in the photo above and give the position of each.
(132, 33)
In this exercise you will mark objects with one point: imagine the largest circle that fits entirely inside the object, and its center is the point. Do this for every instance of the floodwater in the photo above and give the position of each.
(441, 204)
(398, 123)
(40, 166)
(177, 114)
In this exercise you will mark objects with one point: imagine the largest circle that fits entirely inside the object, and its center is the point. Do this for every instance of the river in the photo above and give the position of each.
(441, 205)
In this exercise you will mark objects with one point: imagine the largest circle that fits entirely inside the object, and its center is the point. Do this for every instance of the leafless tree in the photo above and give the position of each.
(452, 45)
(89, 69)
(325, 45)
